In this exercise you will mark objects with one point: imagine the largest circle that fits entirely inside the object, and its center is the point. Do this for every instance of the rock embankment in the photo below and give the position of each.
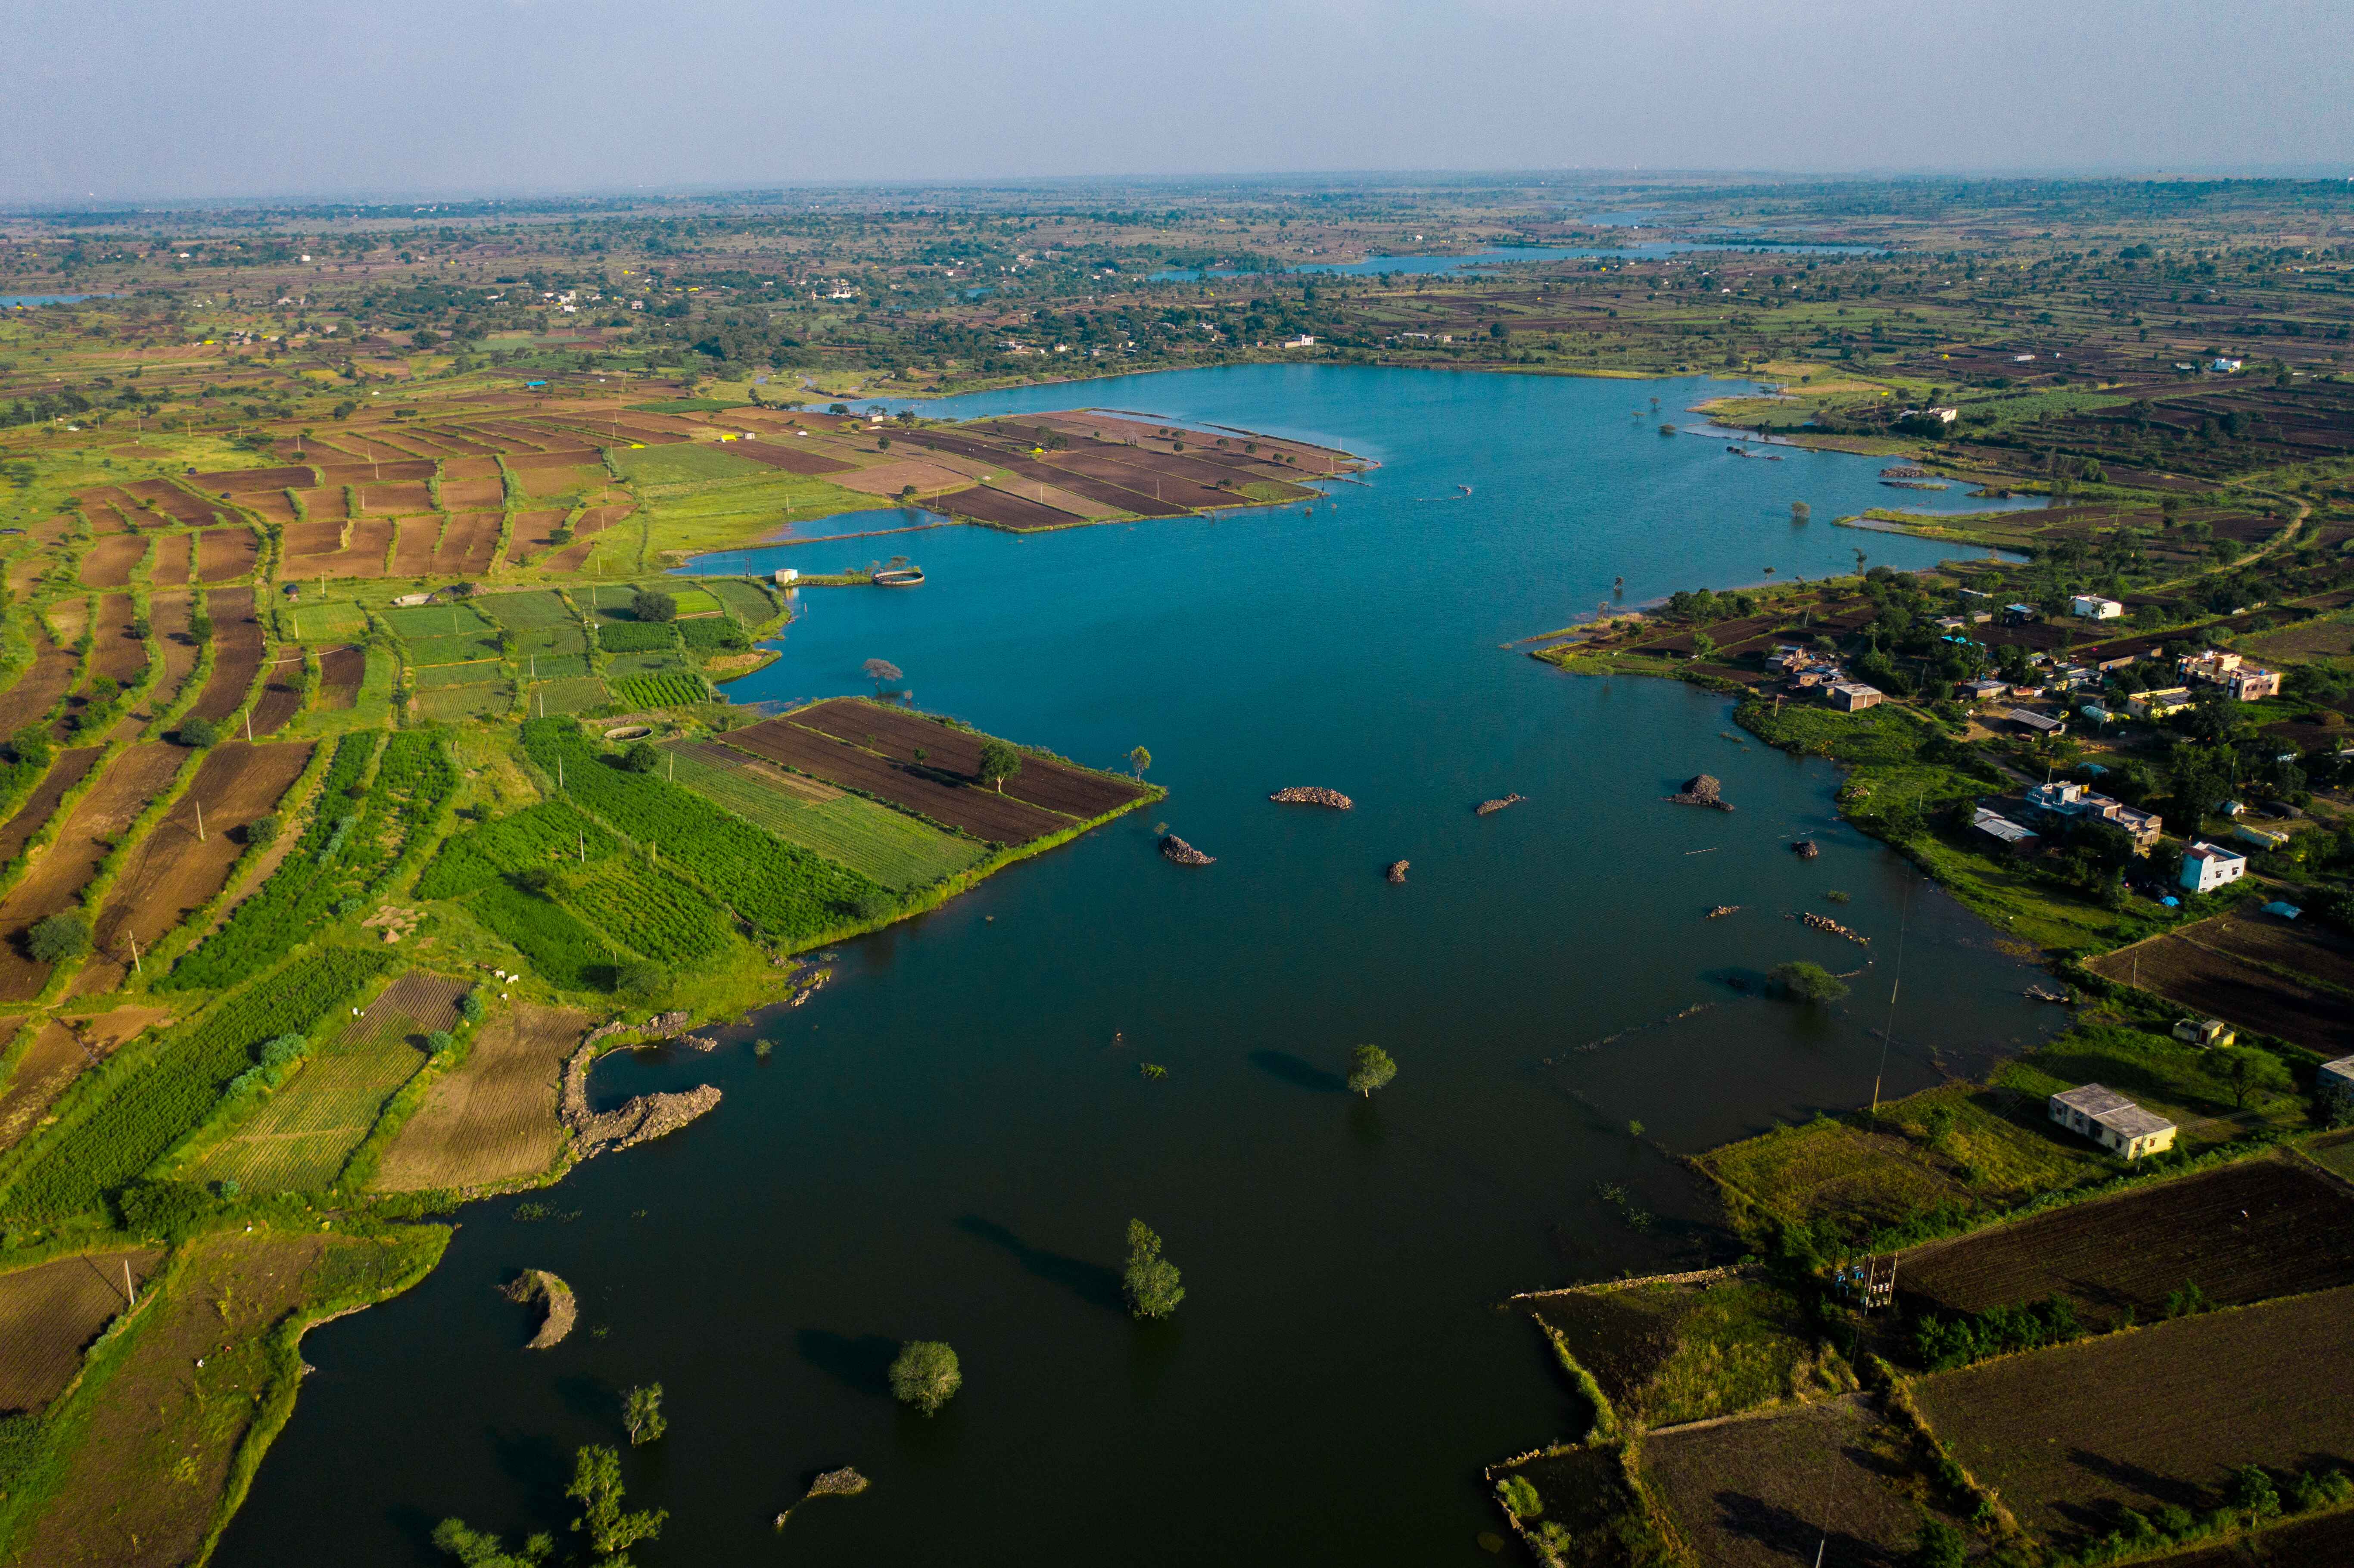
(1722, 910)
(1825, 922)
(1490, 807)
(1183, 854)
(1314, 795)
(639, 1120)
(563, 1312)
(1700, 790)
(1396, 872)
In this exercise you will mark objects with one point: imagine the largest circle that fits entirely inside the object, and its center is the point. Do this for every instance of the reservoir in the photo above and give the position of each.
(948, 1141)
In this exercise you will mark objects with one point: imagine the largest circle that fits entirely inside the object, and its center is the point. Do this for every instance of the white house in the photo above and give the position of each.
(2112, 1121)
(2211, 1032)
(787, 575)
(2091, 607)
(2206, 866)
(2225, 367)
(1302, 341)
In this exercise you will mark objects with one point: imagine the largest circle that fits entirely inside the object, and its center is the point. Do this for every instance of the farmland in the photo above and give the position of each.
(938, 797)
(2292, 981)
(893, 848)
(2179, 1404)
(1669, 1353)
(2240, 1233)
(493, 1119)
(51, 1311)
(896, 734)
(1764, 1492)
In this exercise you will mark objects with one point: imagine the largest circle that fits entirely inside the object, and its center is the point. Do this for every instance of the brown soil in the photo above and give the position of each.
(172, 558)
(223, 554)
(280, 700)
(327, 505)
(985, 504)
(2152, 1416)
(115, 652)
(270, 505)
(60, 1054)
(339, 672)
(1762, 1493)
(49, 1314)
(412, 556)
(791, 459)
(532, 533)
(237, 481)
(172, 501)
(2212, 968)
(494, 1119)
(109, 562)
(64, 773)
(896, 733)
(322, 537)
(2324, 1542)
(170, 874)
(395, 500)
(390, 469)
(482, 494)
(940, 797)
(39, 687)
(237, 653)
(468, 544)
(170, 613)
(141, 1488)
(2243, 1234)
(53, 883)
(462, 469)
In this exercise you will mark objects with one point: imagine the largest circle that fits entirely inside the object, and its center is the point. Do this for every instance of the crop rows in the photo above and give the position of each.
(344, 853)
(786, 892)
(566, 952)
(661, 691)
(143, 1111)
(648, 909)
(636, 637)
(535, 836)
(521, 611)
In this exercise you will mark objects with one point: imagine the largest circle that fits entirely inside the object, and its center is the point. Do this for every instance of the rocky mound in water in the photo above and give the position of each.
(1312, 795)
(1806, 849)
(1183, 854)
(1490, 807)
(1825, 922)
(1396, 872)
(538, 1285)
(646, 1116)
(1700, 790)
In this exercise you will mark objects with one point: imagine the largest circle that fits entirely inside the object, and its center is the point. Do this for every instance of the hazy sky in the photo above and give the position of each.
(141, 99)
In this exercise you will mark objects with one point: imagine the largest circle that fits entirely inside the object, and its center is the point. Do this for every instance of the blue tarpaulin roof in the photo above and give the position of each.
(2286, 911)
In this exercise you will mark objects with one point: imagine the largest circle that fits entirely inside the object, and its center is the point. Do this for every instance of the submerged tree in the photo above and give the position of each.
(611, 1530)
(1370, 1069)
(999, 762)
(1150, 1280)
(926, 1375)
(479, 1549)
(1139, 761)
(1800, 512)
(1806, 982)
(882, 672)
(641, 1414)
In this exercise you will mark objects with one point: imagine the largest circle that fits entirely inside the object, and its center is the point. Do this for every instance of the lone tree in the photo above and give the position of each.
(199, 732)
(1806, 982)
(1369, 1067)
(641, 1414)
(882, 672)
(642, 756)
(926, 1375)
(57, 939)
(652, 604)
(1800, 512)
(1150, 1280)
(597, 1488)
(999, 762)
(1139, 761)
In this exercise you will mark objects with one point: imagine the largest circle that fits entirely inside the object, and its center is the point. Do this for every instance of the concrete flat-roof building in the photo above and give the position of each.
(2091, 607)
(2111, 1121)
(2206, 867)
(1854, 696)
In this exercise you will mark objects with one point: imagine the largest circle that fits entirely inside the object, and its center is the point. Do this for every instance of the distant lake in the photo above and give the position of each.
(15, 302)
(948, 1140)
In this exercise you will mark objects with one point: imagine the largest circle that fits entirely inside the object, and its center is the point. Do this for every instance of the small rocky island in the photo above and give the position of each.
(1702, 789)
(1312, 795)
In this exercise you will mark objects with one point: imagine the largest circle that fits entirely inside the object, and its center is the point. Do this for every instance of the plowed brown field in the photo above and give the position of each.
(493, 1119)
(896, 733)
(53, 883)
(225, 554)
(109, 561)
(39, 687)
(237, 653)
(938, 796)
(49, 1314)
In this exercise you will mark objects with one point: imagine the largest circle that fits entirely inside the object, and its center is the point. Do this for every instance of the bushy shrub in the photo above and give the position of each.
(57, 940)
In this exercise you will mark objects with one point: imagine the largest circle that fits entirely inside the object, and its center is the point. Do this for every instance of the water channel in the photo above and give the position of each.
(948, 1141)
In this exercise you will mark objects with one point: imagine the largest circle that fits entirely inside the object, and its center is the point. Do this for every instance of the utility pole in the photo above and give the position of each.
(135, 952)
(128, 1289)
(200, 819)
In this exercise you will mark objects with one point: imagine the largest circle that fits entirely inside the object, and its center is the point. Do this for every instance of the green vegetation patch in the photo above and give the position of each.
(430, 620)
(143, 1103)
(690, 600)
(565, 951)
(649, 908)
(454, 705)
(320, 622)
(748, 601)
(554, 666)
(525, 611)
(553, 697)
(683, 463)
(661, 691)
(434, 676)
(894, 849)
(550, 834)
(461, 650)
(786, 892)
(637, 637)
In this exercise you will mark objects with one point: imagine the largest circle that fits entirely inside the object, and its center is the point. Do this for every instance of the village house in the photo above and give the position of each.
(2206, 866)
(2014, 839)
(2211, 1032)
(2035, 723)
(2091, 607)
(2064, 799)
(1981, 691)
(2112, 1121)
(2242, 680)
(2159, 703)
(1854, 696)
(2337, 1075)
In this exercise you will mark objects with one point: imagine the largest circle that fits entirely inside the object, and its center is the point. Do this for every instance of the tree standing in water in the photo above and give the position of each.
(926, 1375)
(882, 672)
(1139, 761)
(1150, 1280)
(1369, 1067)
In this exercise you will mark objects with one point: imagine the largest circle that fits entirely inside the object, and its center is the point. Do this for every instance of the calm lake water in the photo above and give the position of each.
(1504, 254)
(949, 1141)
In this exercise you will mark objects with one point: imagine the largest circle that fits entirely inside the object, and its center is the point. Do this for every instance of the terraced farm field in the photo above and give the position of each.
(893, 848)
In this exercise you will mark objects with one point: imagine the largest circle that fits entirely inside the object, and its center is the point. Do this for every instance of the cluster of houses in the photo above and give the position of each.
(1811, 672)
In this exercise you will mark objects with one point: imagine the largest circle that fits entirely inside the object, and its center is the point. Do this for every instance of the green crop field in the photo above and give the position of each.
(684, 462)
(661, 691)
(428, 620)
(649, 908)
(690, 602)
(450, 649)
(520, 611)
(433, 677)
(301, 1137)
(553, 697)
(554, 666)
(452, 702)
(320, 622)
(894, 849)
(635, 637)
(748, 601)
(663, 662)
